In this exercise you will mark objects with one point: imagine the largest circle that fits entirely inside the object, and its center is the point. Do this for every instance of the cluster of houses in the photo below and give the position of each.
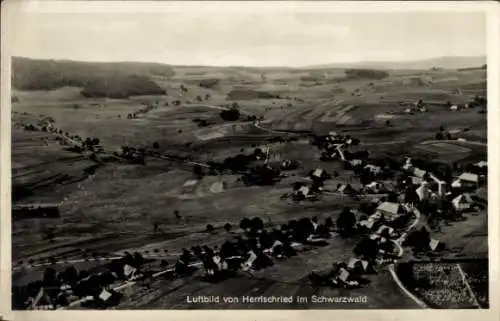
(69, 285)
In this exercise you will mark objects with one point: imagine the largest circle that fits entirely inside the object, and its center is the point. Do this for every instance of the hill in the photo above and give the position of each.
(440, 62)
(115, 80)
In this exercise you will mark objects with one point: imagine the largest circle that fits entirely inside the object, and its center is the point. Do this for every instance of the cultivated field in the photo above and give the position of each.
(122, 207)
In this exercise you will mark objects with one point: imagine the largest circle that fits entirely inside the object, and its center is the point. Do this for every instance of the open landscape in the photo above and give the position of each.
(171, 195)
(142, 185)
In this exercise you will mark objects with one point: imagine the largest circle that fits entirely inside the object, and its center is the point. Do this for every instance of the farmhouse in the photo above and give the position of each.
(358, 265)
(481, 164)
(373, 187)
(435, 245)
(417, 172)
(303, 191)
(407, 164)
(369, 223)
(190, 186)
(441, 185)
(390, 210)
(423, 192)
(454, 107)
(462, 202)
(318, 173)
(386, 229)
(466, 180)
(374, 169)
(345, 189)
(356, 162)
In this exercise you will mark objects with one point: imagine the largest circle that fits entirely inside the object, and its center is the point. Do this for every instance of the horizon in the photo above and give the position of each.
(244, 66)
(251, 39)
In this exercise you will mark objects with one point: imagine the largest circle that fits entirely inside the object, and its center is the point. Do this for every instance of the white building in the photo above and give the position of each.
(389, 210)
(417, 172)
(482, 164)
(355, 162)
(440, 184)
(467, 179)
(374, 169)
(462, 202)
(423, 192)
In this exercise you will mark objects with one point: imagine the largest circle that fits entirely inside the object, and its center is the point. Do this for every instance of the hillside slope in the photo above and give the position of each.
(115, 80)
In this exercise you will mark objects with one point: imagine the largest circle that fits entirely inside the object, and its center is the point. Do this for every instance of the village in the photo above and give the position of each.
(401, 204)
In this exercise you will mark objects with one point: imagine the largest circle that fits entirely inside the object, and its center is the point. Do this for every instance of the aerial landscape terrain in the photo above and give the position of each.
(155, 186)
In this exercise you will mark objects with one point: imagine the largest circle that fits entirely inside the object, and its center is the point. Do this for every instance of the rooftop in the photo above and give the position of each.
(389, 207)
(469, 177)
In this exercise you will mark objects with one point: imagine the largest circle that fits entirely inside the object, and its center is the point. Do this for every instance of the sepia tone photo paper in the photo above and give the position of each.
(198, 160)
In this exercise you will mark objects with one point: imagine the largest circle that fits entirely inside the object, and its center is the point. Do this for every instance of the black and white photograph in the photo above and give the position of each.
(212, 156)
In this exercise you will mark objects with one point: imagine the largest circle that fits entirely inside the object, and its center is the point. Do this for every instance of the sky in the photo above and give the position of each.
(248, 37)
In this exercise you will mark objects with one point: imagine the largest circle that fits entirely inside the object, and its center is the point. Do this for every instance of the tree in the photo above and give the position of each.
(232, 114)
(328, 223)
(210, 228)
(198, 170)
(227, 227)
(156, 145)
(49, 277)
(439, 136)
(245, 223)
(366, 248)
(346, 221)
(256, 224)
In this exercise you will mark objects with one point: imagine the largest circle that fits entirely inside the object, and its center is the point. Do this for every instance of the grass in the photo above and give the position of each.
(115, 209)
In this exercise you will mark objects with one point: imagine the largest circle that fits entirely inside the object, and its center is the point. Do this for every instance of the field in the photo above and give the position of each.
(116, 208)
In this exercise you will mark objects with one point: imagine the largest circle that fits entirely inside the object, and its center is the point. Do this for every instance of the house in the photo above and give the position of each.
(416, 180)
(333, 134)
(466, 180)
(435, 245)
(374, 169)
(304, 191)
(129, 272)
(481, 164)
(407, 164)
(373, 187)
(319, 173)
(391, 232)
(454, 107)
(343, 275)
(358, 265)
(440, 184)
(190, 186)
(345, 189)
(417, 172)
(423, 192)
(462, 202)
(389, 210)
(355, 162)
(367, 223)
